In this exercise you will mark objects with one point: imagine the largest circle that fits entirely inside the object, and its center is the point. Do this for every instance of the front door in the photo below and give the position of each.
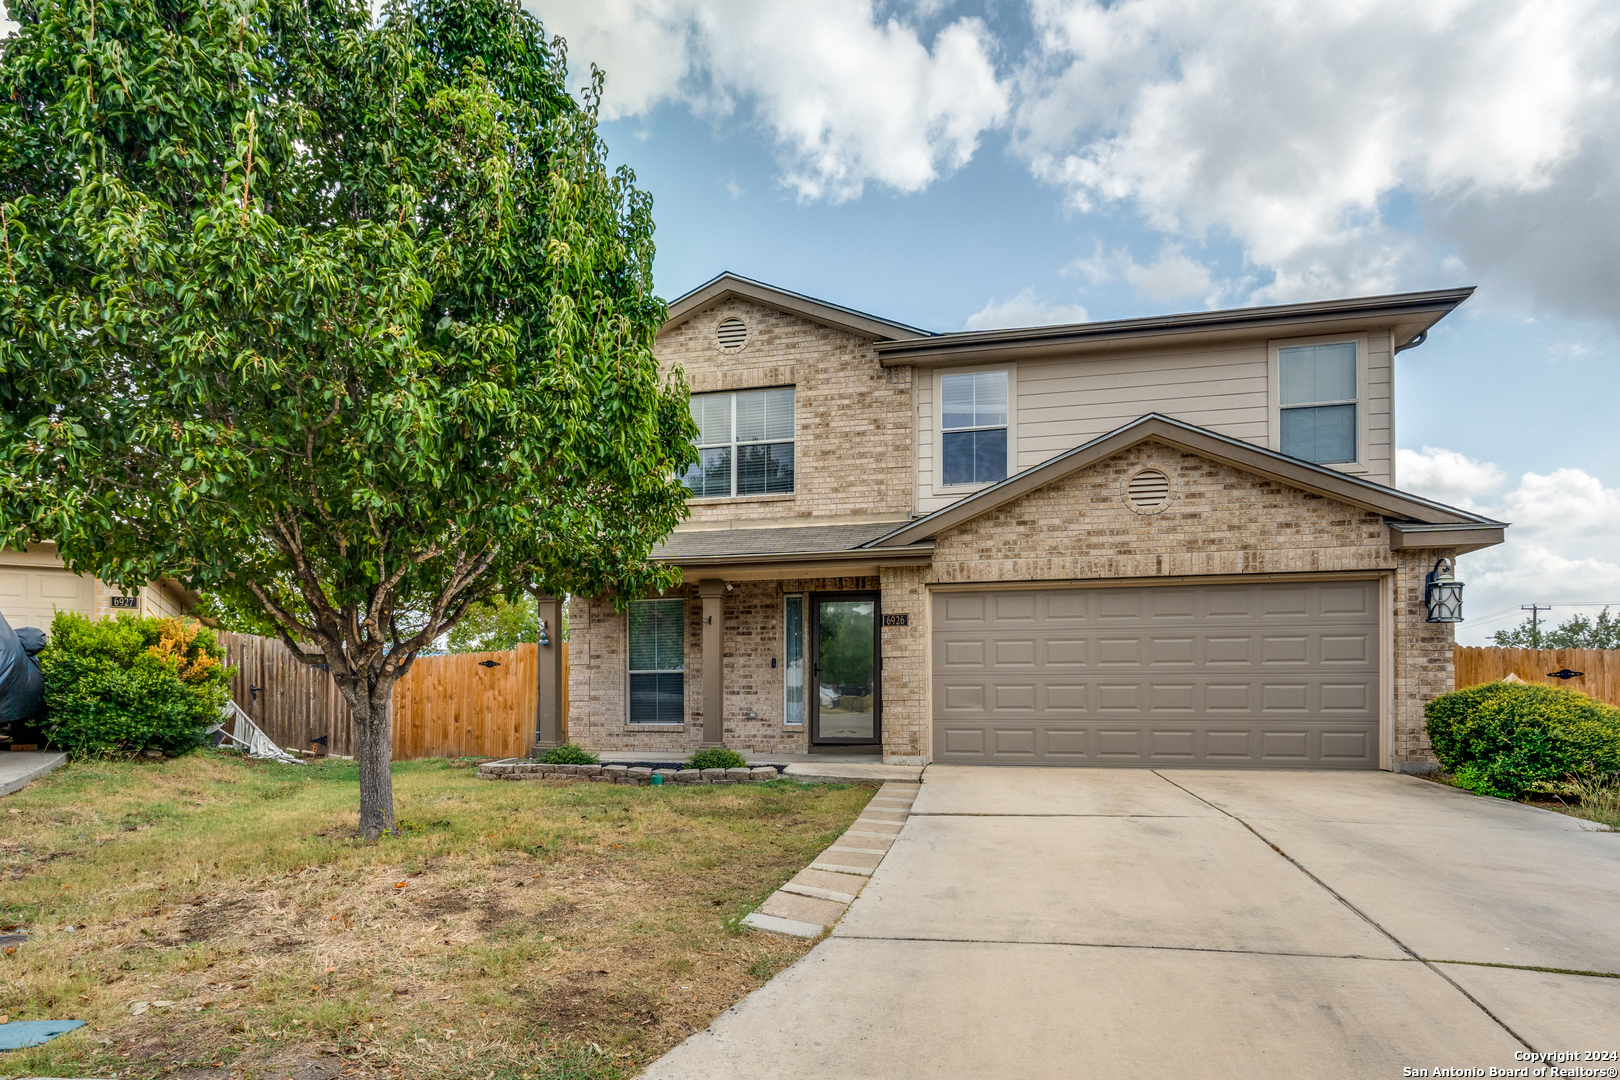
(845, 705)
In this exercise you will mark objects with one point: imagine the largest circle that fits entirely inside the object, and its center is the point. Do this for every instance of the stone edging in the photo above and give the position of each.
(817, 896)
(519, 769)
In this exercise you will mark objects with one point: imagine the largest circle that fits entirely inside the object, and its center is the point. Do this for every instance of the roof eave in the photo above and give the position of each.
(814, 563)
(1408, 314)
(726, 285)
(1463, 538)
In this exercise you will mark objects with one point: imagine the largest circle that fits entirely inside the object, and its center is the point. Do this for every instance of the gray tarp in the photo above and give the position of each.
(22, 687)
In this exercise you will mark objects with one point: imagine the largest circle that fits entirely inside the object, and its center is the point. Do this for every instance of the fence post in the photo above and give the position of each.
(549, 675)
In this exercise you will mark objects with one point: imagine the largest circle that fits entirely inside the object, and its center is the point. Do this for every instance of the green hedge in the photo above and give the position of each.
(1505, 738)
(716, 757)
(569, 754)
(121, 686)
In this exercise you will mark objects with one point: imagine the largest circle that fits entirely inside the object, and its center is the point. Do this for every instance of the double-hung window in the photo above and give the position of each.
(745, 443)
(973, 428)
(1317, 402)
(658, 661)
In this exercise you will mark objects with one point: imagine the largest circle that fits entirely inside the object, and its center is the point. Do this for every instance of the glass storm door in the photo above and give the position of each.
(844, 702)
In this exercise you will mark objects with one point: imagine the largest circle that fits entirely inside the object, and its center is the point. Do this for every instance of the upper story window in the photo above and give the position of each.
(745, 443)
(1317, 402)
(973, 428)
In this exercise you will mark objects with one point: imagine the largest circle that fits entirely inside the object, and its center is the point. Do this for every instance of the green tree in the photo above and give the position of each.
(343, 319)
(496, 624)
(1575, 632)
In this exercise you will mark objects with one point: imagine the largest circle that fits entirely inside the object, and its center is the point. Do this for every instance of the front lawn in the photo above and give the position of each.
(517, 930)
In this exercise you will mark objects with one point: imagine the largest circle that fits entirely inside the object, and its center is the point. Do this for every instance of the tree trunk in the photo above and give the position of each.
(374, 726)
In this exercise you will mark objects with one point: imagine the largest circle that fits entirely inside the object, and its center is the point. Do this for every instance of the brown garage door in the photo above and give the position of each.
(1279, 675)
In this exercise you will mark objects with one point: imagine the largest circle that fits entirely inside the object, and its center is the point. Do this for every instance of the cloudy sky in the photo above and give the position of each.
(958, 164)
(962, 164)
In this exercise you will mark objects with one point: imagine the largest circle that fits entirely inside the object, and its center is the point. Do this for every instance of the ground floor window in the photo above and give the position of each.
(793, 657)
(658, 662)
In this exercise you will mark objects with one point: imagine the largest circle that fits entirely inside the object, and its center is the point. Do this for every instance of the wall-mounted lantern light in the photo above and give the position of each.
(543, 639)
(1443, 594)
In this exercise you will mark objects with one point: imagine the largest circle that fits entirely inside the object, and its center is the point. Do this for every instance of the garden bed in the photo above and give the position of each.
(516, 931)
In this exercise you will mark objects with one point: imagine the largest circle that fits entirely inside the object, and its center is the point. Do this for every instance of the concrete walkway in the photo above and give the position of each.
(19, 768)
(1058, 923)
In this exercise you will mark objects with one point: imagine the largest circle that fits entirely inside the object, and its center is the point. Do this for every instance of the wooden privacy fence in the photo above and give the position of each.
(1600, 668)
(451, 705)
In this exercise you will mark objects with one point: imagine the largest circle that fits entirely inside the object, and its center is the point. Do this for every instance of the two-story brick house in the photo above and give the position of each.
(1166, 541)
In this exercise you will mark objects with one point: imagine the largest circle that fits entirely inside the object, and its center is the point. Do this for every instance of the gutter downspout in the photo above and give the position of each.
(1414, 343)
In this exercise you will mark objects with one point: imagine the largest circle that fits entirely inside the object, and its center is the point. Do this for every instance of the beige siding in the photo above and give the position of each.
(1064, 402)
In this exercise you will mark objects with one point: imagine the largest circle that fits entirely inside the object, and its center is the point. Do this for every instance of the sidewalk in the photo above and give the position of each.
(19, 768)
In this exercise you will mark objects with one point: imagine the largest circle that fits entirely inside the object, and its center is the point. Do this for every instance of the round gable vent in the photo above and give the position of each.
(1148, 491)
(733, 334)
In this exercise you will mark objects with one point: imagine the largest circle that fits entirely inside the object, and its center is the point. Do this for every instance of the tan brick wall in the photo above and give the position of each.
(907, 667)
(753, 636)
(1423, 658)
(1219, 520)
(853, 452)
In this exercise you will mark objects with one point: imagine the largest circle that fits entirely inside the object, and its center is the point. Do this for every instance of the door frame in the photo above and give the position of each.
(813, 683)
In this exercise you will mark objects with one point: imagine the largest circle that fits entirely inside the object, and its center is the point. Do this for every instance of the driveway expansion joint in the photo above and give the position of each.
(1341, 898)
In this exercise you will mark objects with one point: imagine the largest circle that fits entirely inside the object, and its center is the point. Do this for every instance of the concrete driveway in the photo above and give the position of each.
(1074, 922)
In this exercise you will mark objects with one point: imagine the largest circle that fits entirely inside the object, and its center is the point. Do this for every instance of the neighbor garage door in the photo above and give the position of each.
(1279, 675)
(31, 596)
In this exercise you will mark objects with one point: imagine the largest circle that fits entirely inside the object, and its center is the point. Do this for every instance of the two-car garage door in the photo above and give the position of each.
(1274, 674)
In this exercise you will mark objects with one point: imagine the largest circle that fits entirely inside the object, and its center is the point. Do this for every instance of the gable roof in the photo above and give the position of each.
(728, 285)
(1318, 479)
(1407, 315)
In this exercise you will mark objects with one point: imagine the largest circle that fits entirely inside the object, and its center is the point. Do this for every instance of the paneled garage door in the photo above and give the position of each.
(31, 596)
(1278, 675)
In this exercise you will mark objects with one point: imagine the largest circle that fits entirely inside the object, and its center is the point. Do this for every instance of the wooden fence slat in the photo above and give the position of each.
(445, 706)
(1600, 668)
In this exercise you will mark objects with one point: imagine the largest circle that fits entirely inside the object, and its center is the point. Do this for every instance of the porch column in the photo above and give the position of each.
(548, 717)
(712, 591)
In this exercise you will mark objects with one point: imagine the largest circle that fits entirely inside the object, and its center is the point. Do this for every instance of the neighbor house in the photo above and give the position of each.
(34, 586)
(1151, 542)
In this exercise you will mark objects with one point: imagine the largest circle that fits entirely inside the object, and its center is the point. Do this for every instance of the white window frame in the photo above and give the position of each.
(937, 429)
(1274, 394)
(658, 725)
(734, 445)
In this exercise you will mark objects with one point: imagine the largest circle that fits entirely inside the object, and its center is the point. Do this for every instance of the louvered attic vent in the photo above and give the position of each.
(1148, 489)
(733, 335)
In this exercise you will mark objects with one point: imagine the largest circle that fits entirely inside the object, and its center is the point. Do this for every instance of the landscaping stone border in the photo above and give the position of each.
(520, 769)
(817, 896)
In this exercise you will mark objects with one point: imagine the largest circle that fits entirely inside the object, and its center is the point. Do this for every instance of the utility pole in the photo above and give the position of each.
(1535, 611)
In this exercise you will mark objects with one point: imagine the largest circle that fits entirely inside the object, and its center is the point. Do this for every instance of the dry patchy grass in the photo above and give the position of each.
(517, 930)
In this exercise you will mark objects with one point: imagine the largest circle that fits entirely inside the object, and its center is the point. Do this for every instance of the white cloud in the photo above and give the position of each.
(1561, 547)
(1446, 475)
(1025, 309)
(849, 99)
(1174, 275)
(1289, 126)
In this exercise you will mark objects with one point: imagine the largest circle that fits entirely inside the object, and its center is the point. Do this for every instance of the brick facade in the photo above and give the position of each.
(853, 419)
(597, 673)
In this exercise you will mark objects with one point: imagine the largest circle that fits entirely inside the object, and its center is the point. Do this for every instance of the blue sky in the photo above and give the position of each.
(953, 164)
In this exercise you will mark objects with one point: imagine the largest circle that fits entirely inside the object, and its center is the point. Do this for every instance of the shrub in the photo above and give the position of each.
(716, 757)
(121, 686)
(1505, 738)
(569, 754)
